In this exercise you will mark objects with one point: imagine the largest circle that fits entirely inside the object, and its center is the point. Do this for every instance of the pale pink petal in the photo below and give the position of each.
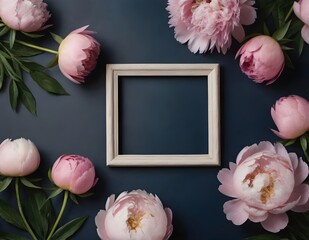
(301, 172)
(286, 207)
(301, 191)
(305, 33)
(169, 229)
(301, 208)
(257, 219)
(274, 223)
(281, 150)
(256, 215)
(225, 176)
(296, 8)
(100, 223)
(295, 161)
(266, 146)
(246, 152)
(110, 201)
(235, 211)
(282, 134)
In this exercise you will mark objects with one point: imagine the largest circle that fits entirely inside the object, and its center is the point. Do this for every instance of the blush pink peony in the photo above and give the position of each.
(74, 173)
(134, 215)
(301, 10)
(266, 181)
(77, 54)
(209, 24)
(291, 116)
(261, 59)
(18, 158)
(24, 15)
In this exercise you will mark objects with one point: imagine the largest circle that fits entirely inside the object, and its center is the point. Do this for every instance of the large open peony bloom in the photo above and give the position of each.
(135, 215)
(24, 15)
(206, 24)
(266, 181)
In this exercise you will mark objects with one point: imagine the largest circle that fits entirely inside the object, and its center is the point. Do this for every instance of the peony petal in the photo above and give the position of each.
(247, 14)
(288, 206)
(301, 172)
(305, 33)
(296, 8)
(110, 201)
(169, 229)
(239, 33)
(100, 223)
(246, 152)
(235, 211)
(302, 192)
(275, 223)
(256, 215)
(266, 146)
(225, 176)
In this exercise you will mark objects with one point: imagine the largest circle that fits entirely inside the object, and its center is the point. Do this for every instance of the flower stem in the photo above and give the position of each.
(37, 47)
(28, 228)
(64, 203)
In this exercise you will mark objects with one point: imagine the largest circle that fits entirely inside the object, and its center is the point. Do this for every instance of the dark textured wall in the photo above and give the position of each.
(137, 31)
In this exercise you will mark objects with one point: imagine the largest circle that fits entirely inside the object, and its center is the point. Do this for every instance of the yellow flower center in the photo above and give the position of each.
(134, 220)
(267, 192)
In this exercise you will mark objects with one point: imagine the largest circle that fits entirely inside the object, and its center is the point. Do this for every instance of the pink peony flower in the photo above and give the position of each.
(24, 15)
(206, 24)
(78, 54)
(291, 116)
(301, 10)
(261, 59)
(134, 215)
(266, 181)
(74, 173)
(18, 158)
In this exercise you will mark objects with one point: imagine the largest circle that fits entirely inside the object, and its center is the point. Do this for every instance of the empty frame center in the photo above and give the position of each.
(163, 114)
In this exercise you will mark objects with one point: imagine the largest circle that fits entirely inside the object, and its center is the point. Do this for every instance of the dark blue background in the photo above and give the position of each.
(137, 31)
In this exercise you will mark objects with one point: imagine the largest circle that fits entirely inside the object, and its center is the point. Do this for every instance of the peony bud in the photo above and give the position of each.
(74, 173)
(134, 215)
(24, 15)
(261, 59)
(301, 10)
(78, 54)
(291, 116)
(18, 158)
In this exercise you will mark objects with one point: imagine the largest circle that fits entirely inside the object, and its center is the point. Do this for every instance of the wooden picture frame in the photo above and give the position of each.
(114, 71)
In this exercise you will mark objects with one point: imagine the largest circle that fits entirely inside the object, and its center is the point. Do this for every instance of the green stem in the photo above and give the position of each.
(64, 203)
(28, 228)
(37, 47)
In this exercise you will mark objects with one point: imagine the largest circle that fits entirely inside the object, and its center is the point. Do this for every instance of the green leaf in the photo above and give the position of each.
(7, 66)
(40, 213)
(73, 198)
(2, 75)
(28, 184)
(14, 93)
(26, 97)
(264, 237)
(5, 183)
(53, 62)
(56, 37)
(11, 236)
(85, 195)
(33, 66)
(10, 215)
(303, 143)
(265, 29)
(12, 38)
(281, 32)
(23, 51)
(32, 35)
(3, 31)
(288, 61)
(288, 142)
(55, 193)
(47, 82)
(300, 45)
(69, 229)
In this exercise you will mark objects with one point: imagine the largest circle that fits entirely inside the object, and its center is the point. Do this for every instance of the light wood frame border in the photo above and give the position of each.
(114, 71)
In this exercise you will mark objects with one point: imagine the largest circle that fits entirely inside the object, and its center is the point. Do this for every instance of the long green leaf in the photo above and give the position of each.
(10, 215)
(56, 37)
(27, 183)
(47, 83)
(26, 97)
(33, 66)
(2, 75)
(40, 217)
(23, 51)
(12, 38)
(3, 31)
(14, 93)
(5, 183)
(11, 236)
(281, 32)
(69, 229)
(32, 35)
